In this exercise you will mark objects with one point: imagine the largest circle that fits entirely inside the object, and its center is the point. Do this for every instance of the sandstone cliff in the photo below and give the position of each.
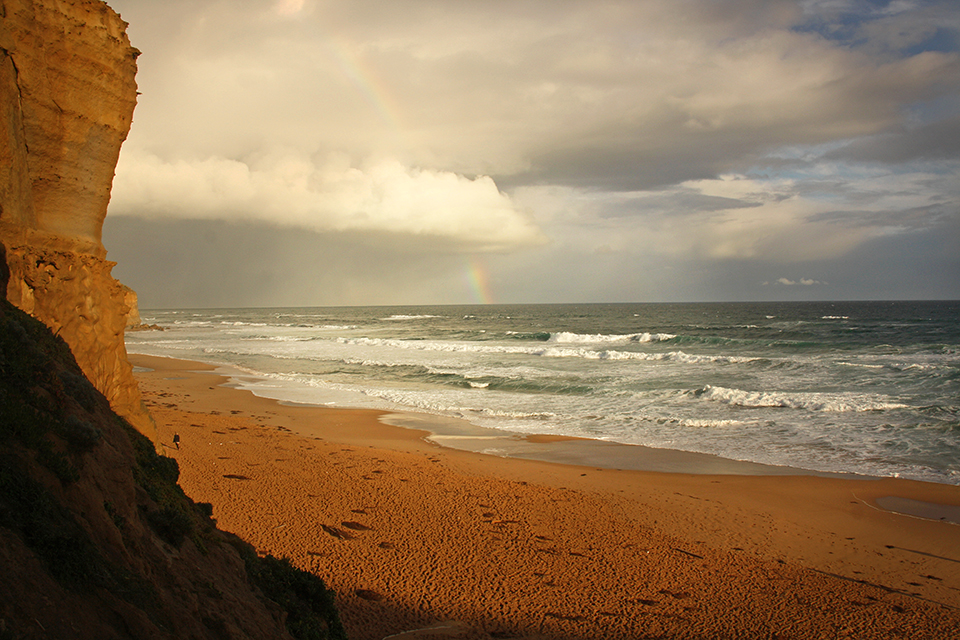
(67, 94)
(97, 540)
(130, 299)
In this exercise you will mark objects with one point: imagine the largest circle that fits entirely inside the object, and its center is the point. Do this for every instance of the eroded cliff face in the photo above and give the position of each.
(67, 95)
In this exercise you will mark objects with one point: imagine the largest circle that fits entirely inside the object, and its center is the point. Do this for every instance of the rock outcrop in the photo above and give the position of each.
(130, 299)
(67, 95)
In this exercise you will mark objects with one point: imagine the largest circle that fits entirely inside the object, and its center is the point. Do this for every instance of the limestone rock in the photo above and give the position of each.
(67, 95)
(130, 299)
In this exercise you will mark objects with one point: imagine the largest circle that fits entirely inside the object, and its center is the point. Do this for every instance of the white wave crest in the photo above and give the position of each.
(825, 402)
(843, 363)
(543, 351)
(711, 423)
(566, 337)
(406, 317)
(278, 338)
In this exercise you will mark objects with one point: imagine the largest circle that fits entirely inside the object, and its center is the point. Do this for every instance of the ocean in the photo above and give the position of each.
(869, 388)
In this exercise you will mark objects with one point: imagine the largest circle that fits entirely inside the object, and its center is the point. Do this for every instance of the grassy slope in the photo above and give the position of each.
(97, 537)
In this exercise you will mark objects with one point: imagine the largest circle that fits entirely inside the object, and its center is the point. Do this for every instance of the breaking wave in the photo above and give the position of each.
(565, 337)
(810, 401)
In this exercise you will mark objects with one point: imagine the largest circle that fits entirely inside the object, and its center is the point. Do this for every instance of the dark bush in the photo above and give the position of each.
(118, 520)
(29, 387)
(171, 524)
(46, 526)
(205, 509)
(80, 433)
(157, 474)
(81, 389)
(311, 608)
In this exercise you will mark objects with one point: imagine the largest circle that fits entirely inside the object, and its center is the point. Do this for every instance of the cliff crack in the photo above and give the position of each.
(16, 82)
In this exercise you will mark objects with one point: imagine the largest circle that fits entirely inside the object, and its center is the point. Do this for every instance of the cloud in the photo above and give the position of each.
(616, 95)
(883, 28)
(295, 191)
(289, 7)
(595, 144)
(933, 141)
(736, 217)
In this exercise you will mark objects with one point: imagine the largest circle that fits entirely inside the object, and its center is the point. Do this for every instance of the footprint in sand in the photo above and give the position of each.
(336, 533)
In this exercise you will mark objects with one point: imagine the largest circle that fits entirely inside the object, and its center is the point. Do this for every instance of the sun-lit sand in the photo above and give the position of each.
(412, 535)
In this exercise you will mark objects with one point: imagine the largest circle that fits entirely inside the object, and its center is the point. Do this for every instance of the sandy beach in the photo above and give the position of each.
(412, 535)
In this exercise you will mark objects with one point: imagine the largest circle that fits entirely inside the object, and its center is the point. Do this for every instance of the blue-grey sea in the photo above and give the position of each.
(854, 387)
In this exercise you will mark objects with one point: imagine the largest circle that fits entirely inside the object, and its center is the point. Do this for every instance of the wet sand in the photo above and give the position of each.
(412, 535)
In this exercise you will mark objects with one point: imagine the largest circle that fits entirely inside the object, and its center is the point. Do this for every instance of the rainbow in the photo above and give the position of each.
(478, 281)
(376, 92)
(360, 74)
(368, 82)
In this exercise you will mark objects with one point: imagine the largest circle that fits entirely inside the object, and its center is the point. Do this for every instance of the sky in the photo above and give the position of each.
(351, 152)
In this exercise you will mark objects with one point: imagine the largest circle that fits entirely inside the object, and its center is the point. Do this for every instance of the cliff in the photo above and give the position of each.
(130, 299)
(67, 95)
(97, 541)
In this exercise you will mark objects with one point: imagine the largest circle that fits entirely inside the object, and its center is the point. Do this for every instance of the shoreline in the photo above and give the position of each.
(459, 433)
(430, 534)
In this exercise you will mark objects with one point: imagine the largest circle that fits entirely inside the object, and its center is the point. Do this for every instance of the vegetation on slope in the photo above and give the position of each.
(94, 534)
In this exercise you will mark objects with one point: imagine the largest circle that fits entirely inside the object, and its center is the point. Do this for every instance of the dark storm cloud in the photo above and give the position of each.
(675, 139)
(934, 141)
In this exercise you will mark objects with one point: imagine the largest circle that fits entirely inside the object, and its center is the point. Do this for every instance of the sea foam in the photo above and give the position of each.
(789, 384)
(827, 402)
